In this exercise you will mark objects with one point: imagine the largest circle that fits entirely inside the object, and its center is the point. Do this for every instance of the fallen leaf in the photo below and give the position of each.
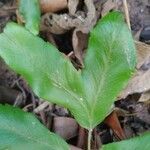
(83, 29)
(52, 5)
(58, 23)
(140, 82)
(65, 127)
(72, 6)
(113, 122)
(79, 41)
(145, 97)
(109, 5)
(74, 148)
(143, 53)
(141, 111)
(81, 21)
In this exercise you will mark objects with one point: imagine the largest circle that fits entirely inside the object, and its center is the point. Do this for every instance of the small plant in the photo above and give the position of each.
(88, 93)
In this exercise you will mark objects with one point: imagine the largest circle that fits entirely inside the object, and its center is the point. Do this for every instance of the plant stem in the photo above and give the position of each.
(127, 13)
(89, 139)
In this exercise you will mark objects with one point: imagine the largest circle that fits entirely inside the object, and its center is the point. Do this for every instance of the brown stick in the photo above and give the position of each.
(125, 5)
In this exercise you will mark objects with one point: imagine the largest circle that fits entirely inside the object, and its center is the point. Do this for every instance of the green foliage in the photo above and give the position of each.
(88, 93)
(22, 131)
(30, 11)
(137, 143)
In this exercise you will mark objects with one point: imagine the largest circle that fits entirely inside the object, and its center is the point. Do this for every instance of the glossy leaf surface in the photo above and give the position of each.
(137, 143)
(30, 11)
(88, 93)
(21, 131)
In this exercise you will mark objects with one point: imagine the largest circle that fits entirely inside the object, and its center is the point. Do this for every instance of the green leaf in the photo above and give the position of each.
(109, 63)
(137, 143)
(21, 131)
(88, 94)
(30, 11)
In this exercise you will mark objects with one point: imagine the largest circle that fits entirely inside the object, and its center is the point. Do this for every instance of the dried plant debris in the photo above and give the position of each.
(7, 76)
(143, 55)
(58, 24)
(83, 29)
(65, 127)
(74, 148)
(13, 88)
(139, 13)
(81, 21)
(84, 20)
(79, 41)
(136, 117)
(108, 6)
(72, 6)
(141, 111)
(7, 13)
(52, 5)
(145, 97)
(138, 84)
(141, 80)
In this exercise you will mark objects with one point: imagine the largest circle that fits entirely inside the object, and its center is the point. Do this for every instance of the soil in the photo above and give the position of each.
(134, 116)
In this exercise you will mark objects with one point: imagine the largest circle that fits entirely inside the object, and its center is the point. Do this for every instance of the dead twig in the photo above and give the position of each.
(126, 10)
(41, 107)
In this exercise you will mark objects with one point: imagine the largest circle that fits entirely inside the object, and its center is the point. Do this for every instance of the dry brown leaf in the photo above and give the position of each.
(143, 53)
(74, 148)
(58, 24)
(109, 5)
(65, 127)
(141, 80)
(141, 112)
(72, 6)
(138, 84)
(98, 6)
(90, 20)
(83, 29)
(81, 21)
(113, 122)
(145, 97)
(52, 5)
(79, 41)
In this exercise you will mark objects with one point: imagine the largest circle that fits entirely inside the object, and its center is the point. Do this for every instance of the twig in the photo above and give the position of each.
(10, 8)
(41, 107)
(27, 106)
(125, 5)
